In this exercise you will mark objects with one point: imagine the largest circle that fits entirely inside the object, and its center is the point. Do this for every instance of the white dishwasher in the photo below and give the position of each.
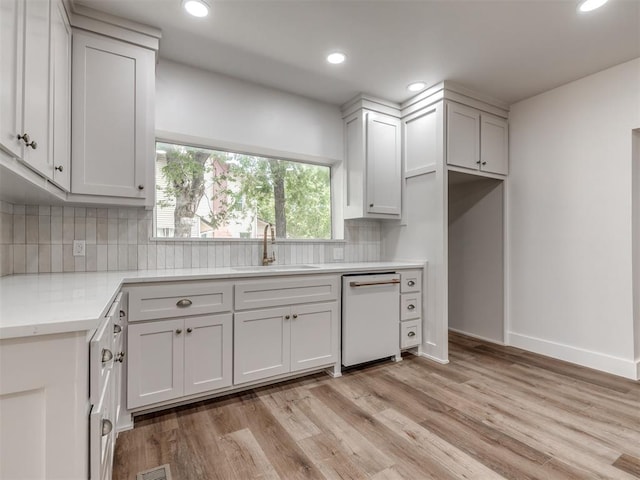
(370, 317)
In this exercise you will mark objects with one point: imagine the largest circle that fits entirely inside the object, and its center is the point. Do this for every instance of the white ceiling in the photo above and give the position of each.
(509, 49)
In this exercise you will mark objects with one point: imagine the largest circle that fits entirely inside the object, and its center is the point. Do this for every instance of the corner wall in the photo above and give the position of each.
(570, 215)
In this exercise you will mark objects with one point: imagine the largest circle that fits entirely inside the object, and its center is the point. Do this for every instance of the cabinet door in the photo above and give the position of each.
(423, 140)
(463, 136)
(61, 94)
(11, 55)
(36, 94)
(314, 335)
(494, 144)
(208, 344)
(155, 369)
(261, 344)
(112, 116)
(383, 164)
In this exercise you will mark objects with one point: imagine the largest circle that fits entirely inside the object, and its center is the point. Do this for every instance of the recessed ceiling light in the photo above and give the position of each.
(197, 8)
(336, 58)
(589, 5)
(416, 86)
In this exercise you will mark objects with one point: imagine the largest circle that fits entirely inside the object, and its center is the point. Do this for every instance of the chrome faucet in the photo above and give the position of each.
(266, 259)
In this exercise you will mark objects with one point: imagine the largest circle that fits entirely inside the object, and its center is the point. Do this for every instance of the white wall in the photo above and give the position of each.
(570, 210)
(232, 113)
(636, 244)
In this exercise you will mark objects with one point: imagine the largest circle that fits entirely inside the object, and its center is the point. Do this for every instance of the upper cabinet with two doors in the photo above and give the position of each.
(35, 86)
(95, 142)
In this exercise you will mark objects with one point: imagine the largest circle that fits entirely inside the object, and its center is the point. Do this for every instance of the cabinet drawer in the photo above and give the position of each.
(102, 435)
(410, 333)
(150, 302)
(410, 306)
(286, 291)
(101, 357)
(410, 281)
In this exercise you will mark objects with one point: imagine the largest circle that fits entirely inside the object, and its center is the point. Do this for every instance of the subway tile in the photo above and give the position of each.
(132, 231)
(123, 231)
(102, 257)
(161, 259)
(152, 256)
(80, 263)
(112, 213)
(19, 210)
(144, 231)
(19, 259)
(19, 229)
(102, 231)
(142, 257)
(218, 256)
(6, 260)
(112, 257)
(123, 213)
(102, 213)
(56, 211)
(44, 210)
(6, 228)
(132, 213)
(132, 257)
(92, 257)
(44, 229)
(44, 258)
(32, 259)
(56, 230)
(112, 231)
(68, 262)
(68, 230)
(203, 254)
(187, 254)
(6, 207)
(31, 229)
(80, 212)
(56, 258)
(80, 228)
(32, 210)
(123, 257)
(91, 230)
(226, 254)
(194, 260)
(178, 255)
(169, 252)
(92, 212)
(68, 212)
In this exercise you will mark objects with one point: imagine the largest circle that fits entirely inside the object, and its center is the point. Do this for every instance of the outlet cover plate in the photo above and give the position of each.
(79, 248)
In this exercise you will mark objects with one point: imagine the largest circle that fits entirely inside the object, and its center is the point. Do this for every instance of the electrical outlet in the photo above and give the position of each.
(338, 253)
(78, 248)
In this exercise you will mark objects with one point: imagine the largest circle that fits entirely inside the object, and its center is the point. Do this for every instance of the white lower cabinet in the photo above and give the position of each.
(276, 341)
(169, 359)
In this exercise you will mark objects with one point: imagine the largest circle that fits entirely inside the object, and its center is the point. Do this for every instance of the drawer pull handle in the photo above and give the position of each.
(122, 314)
(411, 283)
(368, 284)
(411, 306)
(185, 302)
(117, 329)
(411, 334)
(107, 427)
(189, 330)
(107, 355)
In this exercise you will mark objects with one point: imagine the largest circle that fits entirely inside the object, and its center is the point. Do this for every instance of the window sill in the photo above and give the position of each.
(246, 240)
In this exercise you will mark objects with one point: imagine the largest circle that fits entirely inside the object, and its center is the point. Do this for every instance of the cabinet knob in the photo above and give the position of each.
(478, 162)
(120, 357)
(189, 330)
(27, 141)
(107, 427)
(411, 306)
(107, 355)
(184, 303)
(411, 283)
(287, 317)
(295, 315)
(140, 187)
(411, 334)
(370, 205)
(117, 329)
(484, 163)
(178, 331)
(59, 168)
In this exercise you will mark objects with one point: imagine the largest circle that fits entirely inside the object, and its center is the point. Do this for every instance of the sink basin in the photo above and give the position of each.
(274, 268)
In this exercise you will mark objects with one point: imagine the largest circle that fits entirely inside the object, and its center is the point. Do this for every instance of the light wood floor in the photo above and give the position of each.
(493, 412)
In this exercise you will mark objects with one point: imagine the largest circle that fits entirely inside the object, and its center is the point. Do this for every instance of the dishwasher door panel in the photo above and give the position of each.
(370, 317)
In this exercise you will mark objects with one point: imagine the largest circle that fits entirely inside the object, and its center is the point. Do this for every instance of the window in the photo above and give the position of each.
(204, 193)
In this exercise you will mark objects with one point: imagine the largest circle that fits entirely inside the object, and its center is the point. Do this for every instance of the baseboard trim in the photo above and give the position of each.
(435, 359)
(638, 369)
(586, 358)
(479, 337)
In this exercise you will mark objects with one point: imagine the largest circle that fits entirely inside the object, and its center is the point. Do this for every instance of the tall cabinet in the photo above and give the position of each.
(455, 164)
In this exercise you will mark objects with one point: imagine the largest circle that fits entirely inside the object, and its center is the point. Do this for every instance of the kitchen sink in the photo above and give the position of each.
(275, 268)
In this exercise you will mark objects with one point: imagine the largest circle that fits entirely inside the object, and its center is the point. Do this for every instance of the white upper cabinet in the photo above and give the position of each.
(476, 140)
(372, 165)
(112, 117)
(422, 140)
(60, 150)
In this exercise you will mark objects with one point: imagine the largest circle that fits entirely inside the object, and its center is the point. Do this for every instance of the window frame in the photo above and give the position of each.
(335, 175)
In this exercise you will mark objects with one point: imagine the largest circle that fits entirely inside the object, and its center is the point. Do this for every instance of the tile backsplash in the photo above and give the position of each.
(39, 239)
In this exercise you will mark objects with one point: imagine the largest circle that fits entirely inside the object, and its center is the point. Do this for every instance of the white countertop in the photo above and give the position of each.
(47, 303)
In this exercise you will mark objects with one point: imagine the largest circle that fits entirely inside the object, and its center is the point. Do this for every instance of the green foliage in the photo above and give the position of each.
(242, 186)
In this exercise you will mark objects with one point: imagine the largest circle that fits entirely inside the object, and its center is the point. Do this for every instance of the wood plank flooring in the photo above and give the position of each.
(493, 412)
